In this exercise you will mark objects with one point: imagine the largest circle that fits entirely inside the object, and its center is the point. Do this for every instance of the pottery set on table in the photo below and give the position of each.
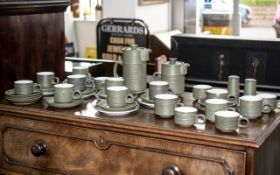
(226, 109)
(121, 95)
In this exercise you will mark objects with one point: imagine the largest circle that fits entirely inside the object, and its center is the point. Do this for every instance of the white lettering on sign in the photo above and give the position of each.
(123, 29)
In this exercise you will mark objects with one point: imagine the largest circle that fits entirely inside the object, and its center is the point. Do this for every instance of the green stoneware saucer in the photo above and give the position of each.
(145, 97)
(117, 113)
(101, 94)
(103, 105)
(23, 101)
(48, 92)
(145, 103)
(50, 102)
(88, 91)
(11, 93)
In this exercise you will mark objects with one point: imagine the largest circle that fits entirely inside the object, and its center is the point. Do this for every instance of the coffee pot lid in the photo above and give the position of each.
(174, 62)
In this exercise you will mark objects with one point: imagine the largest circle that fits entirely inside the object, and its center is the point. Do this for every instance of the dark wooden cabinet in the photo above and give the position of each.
(31, 39)
(81, 140)
(214, 58)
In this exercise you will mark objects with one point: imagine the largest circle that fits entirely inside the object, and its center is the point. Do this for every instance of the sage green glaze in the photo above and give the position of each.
(134, 68)
(174, 73)
(251, 106)
(250, 87)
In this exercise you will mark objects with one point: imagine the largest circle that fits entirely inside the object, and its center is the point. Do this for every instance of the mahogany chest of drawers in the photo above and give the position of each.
(81, 141)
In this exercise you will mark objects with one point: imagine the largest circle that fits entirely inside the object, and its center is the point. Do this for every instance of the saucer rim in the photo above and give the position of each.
(70, 105)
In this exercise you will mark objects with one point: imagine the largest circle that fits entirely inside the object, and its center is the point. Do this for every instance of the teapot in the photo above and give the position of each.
(134, 68)
(174, 72)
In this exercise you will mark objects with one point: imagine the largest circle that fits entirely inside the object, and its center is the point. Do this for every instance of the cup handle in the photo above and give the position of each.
(233, 99)
(65, 81)
(36, 87)
(89, 83)
(231, 109)
(155, 74)
(266, 108)
(77, 95)
(179, 104)
(129, 98)
(240, 120)
(202, 117)
(115, 70)
(170, 91)
(89, 75)
(55, 80)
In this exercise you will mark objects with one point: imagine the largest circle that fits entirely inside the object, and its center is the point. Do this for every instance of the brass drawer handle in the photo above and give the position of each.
(171, 170)
(39, 148)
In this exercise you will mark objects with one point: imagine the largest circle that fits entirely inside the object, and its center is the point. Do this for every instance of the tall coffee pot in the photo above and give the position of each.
(134, 68)
(174, 72)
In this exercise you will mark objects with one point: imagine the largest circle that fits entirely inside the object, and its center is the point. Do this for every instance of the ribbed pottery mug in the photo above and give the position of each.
(65, 93)
(26, 87)
(118, 96)
(229, 121)
(81, 70)
(250, 106)
(214, 105)
(269, 102)
(47, 80)
(158, 87)
(165, 105)
(188, 116)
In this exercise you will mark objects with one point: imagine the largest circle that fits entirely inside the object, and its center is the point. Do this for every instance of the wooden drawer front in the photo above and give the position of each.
(97, 152)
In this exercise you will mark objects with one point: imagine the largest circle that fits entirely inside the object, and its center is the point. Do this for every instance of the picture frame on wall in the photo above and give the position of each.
(149, 2)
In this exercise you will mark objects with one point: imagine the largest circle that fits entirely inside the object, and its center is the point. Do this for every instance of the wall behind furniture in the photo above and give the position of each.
(156, 16)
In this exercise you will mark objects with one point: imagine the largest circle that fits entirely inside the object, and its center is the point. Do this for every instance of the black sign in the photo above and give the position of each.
(113, 34)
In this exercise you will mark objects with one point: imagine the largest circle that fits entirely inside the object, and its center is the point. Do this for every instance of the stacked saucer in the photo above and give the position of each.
(22, 99)
(48, 92)
(101, 94)
(88, 92)
(145, 100)
(102, 106)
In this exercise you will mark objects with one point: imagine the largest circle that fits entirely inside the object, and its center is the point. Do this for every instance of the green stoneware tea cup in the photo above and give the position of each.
(165, 105)
(65, 93)
(118, 96)
(214, 105)
(250, 106)
(229, 121)
(26, 87)
(188, 116)
(269, 102)
(47, 80)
